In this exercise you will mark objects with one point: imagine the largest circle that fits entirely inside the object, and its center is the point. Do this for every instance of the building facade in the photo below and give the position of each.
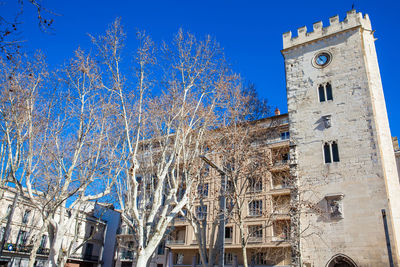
(86, 238)
(341, 149)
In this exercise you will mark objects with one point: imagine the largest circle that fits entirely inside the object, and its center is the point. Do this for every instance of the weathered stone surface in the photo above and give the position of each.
(366, 175)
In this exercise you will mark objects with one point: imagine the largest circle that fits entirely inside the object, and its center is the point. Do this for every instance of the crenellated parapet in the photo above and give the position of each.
(353, 19)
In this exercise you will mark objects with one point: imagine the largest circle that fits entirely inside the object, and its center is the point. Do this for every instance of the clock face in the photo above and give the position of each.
(322, 59)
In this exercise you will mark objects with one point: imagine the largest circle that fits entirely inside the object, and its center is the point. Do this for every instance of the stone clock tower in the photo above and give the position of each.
(342, 157)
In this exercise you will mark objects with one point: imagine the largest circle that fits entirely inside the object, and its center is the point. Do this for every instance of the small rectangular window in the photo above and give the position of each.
(89, 249)
(228, 232)
(202, 190)
(228, 258)
(285, 136)
(26, 216)
(255, 208)
(43, 241)
(255, 185)
(255, 232)
(201, 212)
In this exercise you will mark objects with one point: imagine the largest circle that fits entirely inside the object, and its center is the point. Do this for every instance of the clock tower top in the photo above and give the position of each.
(352, 20)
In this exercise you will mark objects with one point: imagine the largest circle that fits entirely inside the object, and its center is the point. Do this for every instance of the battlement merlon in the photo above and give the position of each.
(353, 19)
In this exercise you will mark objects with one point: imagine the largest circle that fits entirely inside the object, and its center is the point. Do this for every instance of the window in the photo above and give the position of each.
(22, 238)
(179, 258)
(285, 136)
(8, 211)
(285, 157)
(331, 152)
(198, 259)
(281, 230)
(258, 258)
(89, 249)
(2, 231)
(228, 258)
(26, 216)
(206, 170)
(201, 212)
(255, 185)
(255, 208)
(202, 190)
(43, 241)
(161, 248)
(255, 232)
(325, 92)
(229, 233)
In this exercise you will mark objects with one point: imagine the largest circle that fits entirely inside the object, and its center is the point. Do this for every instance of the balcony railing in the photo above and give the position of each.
(85, 257)
(228, 240)
(126, 255)
(255, 239)
(12, 247)
(175, 242)
(281, 211)
(278, 238)
(282, 186)
(124, 231)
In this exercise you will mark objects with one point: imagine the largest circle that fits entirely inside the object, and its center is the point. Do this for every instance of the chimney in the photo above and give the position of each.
(277, 112)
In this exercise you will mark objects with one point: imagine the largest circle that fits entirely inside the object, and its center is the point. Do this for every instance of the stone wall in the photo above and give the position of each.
(366, 175)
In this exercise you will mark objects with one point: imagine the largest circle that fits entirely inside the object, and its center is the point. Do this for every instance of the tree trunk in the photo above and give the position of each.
(63, 260)
(54, 251)
(244, 252)
(142, 260)
(243, 241)
(36, 245)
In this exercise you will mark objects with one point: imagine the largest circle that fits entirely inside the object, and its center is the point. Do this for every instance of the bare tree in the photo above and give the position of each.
(10, 24)
(56, 153)
(162, 134)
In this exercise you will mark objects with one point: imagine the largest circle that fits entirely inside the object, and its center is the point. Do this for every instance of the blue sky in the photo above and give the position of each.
(250, 32)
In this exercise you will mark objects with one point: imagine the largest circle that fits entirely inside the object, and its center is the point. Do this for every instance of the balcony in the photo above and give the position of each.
(85, 257)
(228, 240)
(126, 255)
(175, 242)
(281, 162)
(278, 239)
(281, 189)
(177, 236)
(255, 239)
(12, 247)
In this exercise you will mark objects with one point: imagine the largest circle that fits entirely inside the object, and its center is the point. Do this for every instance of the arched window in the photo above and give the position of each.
(327, 153)
(335, 152)
(321, 91)
(328, 88)
(331, 152)
(341, 260)
(325, 92)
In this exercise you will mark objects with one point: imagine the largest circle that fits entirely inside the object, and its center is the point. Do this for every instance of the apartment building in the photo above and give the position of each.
(265, 202)
(85, 239)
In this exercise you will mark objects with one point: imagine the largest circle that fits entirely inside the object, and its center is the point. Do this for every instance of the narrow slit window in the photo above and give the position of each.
(335, 152)
(327, 153)
(329, 92)
(321, 91)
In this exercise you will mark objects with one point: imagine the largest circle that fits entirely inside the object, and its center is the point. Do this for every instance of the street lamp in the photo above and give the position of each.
(222, 206)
